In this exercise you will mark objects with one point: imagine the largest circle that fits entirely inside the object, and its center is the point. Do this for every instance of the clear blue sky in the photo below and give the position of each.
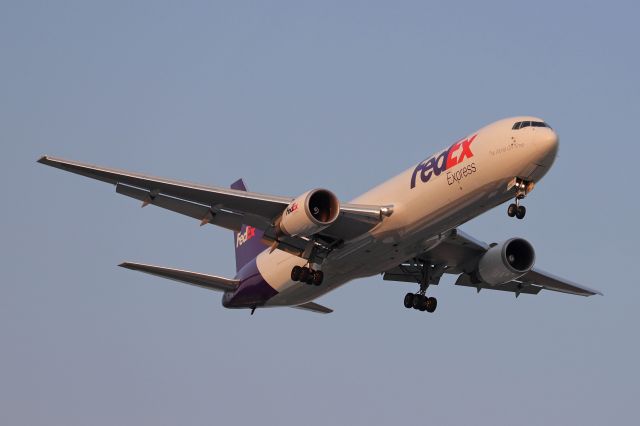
(292, 96)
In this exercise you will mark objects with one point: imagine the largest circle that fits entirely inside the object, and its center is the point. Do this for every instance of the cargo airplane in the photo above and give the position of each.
(290, 251)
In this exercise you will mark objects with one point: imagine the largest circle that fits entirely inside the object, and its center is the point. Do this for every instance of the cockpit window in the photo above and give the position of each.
(523, 124)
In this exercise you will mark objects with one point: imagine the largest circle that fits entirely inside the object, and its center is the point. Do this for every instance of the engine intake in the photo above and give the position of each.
(310, 213)
(506, 261)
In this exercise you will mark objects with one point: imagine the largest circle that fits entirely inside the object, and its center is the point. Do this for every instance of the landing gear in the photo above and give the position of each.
(516, 210)
(523, 187)
(419, 301)
(408, 300)
(306, 275)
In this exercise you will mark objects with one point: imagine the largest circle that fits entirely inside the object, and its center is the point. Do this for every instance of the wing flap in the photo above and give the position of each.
(268, 206)
(225, 219)
(552, 282)
(512, 286)
(210, 282)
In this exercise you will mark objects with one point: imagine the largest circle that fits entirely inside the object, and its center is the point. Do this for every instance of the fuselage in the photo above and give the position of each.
(440, 193)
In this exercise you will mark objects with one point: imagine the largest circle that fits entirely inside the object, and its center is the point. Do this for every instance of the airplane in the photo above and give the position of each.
(290, 251)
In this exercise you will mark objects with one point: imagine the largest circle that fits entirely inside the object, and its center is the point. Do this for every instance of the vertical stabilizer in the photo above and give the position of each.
(248, 242)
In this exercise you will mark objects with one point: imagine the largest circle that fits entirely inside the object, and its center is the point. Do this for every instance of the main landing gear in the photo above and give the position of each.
(307, 275)
(523, 187)
(419, 300)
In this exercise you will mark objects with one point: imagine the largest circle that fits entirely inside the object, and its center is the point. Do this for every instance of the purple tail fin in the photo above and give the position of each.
(248, 241)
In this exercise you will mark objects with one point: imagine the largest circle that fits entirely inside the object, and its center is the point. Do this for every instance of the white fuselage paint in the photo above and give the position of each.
(423, 213)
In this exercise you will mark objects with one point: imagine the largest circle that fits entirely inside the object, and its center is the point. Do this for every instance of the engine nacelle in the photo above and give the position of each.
(310, 213)
(506, 261)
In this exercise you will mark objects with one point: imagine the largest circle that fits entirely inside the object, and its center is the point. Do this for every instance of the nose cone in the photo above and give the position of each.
(546, 143)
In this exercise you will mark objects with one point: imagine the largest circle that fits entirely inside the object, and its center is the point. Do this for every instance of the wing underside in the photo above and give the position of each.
(224, 207)
(458, 253)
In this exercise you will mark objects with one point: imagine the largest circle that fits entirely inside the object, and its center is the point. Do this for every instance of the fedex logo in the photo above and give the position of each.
(449, 158)
(292, 208)
(245, 236)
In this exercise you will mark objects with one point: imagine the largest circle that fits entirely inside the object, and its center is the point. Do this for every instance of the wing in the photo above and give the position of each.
(220, 206)
(210, 282)
(457, 253)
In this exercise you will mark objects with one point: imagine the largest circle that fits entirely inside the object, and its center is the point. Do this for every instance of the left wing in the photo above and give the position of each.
(220, 206)
(458, 253)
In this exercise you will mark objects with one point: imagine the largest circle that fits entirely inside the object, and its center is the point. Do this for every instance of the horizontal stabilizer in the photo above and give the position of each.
(310, 306)
(210, 282)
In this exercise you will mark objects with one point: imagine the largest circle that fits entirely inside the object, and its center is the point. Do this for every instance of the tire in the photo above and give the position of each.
(408, 300)
(304, 274)
(521, 211)
(295, 273)
(432, 304)
(512, 210)
(417, 301)
(420, 302)
(318, 276)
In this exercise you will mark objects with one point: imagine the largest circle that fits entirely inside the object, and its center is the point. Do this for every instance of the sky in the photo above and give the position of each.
(293, 96)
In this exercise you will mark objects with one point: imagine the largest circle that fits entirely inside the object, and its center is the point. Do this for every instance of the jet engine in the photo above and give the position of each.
(506, 261)
(310, 213)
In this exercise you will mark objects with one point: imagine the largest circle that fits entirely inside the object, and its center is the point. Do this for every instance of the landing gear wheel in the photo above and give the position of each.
(309, 279)
(318, 276)
(295, 273)
(432, 304)
(304, 274)
(408, 300)
(512, 210)
(520, 212)
(419, 302)
(423, 304)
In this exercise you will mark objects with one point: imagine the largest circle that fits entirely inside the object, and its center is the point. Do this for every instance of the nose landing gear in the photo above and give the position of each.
(523, 187)
(515, 209)
(306, 275)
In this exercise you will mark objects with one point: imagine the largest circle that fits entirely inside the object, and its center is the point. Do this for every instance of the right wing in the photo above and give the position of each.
(228, 208)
